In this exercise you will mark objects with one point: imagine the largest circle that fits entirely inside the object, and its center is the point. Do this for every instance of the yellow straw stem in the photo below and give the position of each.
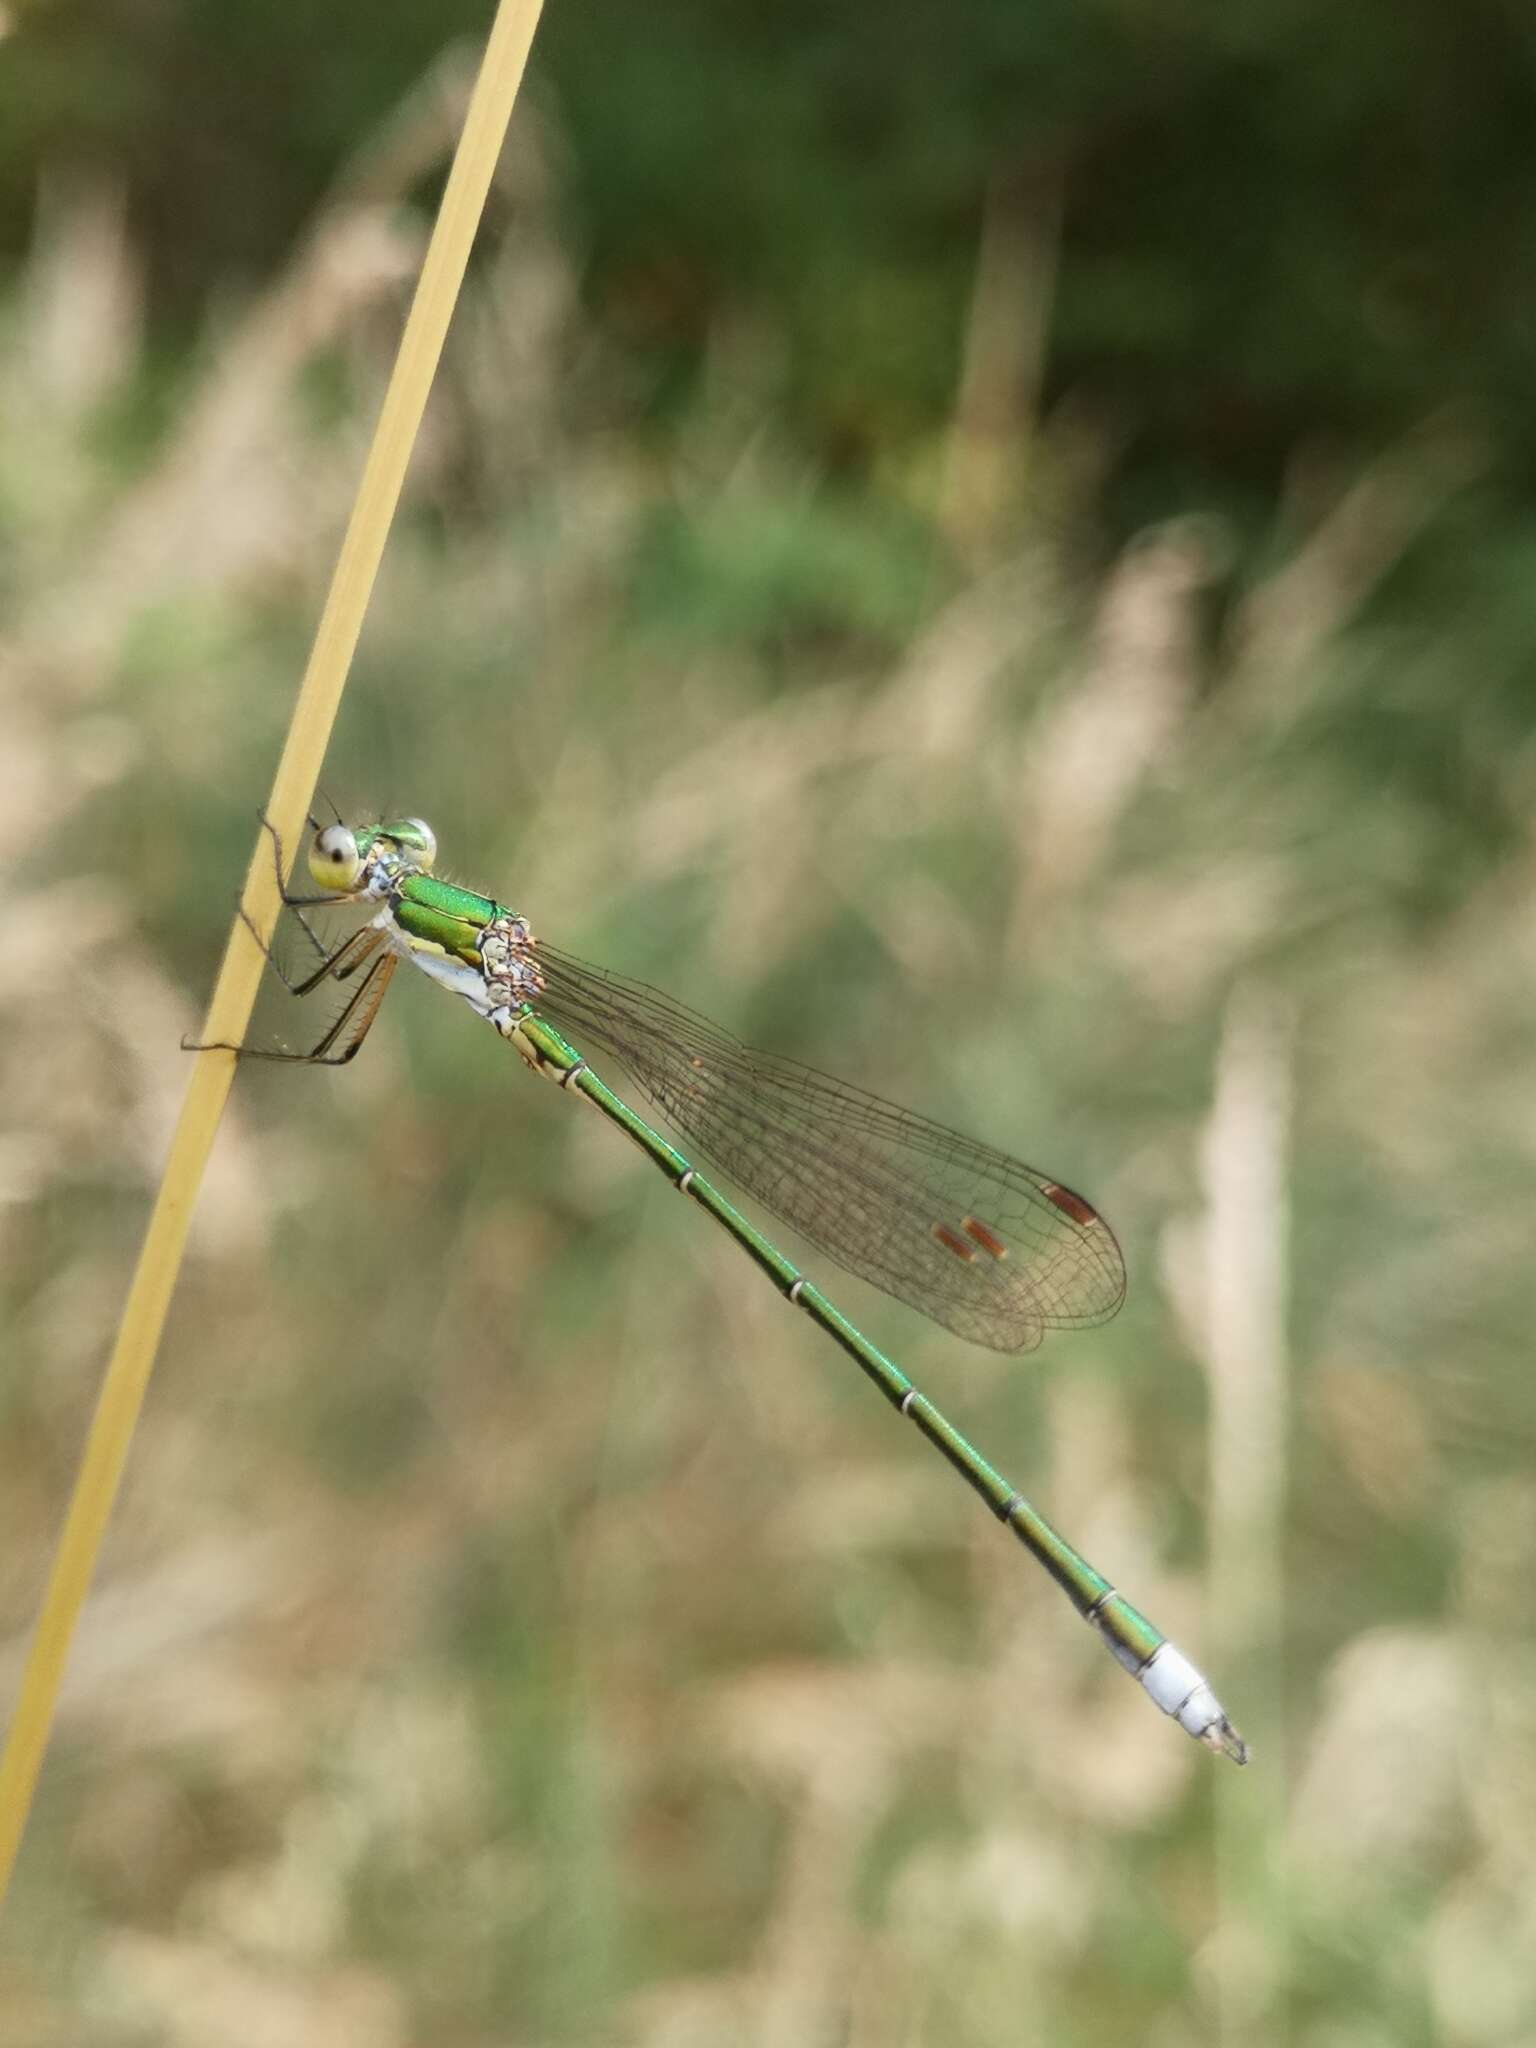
(133, 1356)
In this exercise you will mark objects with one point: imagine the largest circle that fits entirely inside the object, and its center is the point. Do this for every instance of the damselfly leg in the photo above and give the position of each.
(343, 1039)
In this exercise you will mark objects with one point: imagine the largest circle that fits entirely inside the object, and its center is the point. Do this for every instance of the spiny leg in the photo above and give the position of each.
(356, 1020)
(297, 904)
(339, 965)
(353, 1025)
(334, 964)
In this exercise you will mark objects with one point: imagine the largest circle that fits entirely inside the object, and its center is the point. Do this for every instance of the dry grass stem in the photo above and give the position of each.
(128, 1370)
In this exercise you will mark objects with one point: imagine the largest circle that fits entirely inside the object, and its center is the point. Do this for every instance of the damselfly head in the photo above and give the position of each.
(350, 863)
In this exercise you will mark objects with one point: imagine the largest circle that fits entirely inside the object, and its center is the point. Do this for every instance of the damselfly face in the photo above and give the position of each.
(364, 861)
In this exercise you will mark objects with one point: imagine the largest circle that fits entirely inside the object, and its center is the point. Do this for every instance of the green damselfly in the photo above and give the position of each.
(983, 1244)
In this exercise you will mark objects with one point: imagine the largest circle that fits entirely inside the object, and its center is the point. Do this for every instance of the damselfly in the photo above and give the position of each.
(983, 1244)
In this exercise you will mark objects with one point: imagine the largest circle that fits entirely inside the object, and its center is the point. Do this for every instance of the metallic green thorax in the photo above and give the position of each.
(434, 913)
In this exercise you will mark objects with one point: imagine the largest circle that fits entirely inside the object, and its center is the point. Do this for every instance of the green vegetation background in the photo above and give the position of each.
(990, 549)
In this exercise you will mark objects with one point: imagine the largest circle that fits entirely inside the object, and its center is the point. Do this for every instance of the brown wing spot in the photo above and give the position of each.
(953, 1242)
(1068, 1203)
(987, 1239)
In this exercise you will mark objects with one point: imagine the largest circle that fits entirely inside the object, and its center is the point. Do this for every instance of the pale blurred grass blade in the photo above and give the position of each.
(1004, 354)
(1284, 626)
(1246, 1168)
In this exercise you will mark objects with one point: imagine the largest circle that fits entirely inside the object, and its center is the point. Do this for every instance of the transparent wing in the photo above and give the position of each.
(983, 1244)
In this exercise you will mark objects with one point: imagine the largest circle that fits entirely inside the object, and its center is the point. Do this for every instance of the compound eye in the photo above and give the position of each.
(334, 861)
(421, 839)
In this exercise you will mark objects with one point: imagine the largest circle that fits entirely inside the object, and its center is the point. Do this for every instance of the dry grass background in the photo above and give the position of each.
(516, 1629)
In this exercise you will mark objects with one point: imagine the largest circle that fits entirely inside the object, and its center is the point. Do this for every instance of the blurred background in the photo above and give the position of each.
(993, 550)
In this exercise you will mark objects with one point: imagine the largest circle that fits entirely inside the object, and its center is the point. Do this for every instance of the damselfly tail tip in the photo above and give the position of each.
(1170, 1679)
(1221, 1736)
